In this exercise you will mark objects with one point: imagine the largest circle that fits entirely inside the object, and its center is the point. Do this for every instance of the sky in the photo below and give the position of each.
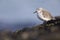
(22, 10)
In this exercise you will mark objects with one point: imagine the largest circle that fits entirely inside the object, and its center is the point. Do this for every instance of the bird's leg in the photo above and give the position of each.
(44, 22)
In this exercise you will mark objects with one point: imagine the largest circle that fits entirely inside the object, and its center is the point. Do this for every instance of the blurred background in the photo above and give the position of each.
(17, 14)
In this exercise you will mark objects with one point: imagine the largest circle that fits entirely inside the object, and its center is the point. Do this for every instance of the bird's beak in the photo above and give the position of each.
(35, 12)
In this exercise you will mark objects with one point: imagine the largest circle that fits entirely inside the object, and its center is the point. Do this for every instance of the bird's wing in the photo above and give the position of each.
(47, 14)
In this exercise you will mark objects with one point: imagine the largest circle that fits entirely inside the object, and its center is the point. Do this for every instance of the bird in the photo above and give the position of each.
(44, 14)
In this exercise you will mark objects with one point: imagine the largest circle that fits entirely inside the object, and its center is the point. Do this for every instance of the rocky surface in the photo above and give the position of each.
(47, 31)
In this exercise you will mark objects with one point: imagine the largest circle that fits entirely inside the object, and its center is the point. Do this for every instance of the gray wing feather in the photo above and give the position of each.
(47, 14)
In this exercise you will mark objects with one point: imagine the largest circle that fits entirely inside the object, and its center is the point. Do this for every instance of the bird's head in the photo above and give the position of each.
(38, 10)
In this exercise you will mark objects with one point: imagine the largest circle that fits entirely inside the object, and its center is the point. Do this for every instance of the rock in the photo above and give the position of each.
(47, 31)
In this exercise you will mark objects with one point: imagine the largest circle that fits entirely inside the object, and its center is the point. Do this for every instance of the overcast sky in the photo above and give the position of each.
(22, 10)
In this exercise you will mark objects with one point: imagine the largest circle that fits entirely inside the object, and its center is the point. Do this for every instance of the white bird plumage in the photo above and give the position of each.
(43, 14)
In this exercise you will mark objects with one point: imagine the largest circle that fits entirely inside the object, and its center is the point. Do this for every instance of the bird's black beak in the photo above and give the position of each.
(35, 12)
